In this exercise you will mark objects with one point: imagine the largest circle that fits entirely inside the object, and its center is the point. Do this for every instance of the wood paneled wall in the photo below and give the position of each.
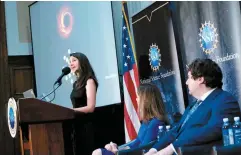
(16, 76)
(6, 142)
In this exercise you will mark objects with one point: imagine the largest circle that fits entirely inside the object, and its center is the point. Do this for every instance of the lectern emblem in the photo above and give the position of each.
(208, 37)
(154, 57)
(12, 117)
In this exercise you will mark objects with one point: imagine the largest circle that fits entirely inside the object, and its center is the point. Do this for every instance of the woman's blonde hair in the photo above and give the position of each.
(151, 104)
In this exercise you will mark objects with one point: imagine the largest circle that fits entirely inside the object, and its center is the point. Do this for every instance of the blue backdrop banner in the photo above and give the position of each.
(210, 30)
(157, 55)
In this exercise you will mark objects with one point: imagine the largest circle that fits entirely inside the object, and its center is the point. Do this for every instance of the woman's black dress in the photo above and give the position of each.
(83, 124)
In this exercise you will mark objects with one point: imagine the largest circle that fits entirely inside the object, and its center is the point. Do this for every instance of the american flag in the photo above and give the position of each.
(130, 80)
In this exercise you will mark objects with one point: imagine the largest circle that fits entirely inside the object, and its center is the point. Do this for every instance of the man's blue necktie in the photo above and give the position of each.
(194, 108)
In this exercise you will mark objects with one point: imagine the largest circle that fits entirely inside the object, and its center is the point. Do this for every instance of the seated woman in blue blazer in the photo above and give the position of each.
(152, 113)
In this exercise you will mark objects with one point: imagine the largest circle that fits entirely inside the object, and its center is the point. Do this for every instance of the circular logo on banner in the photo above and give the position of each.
(154, 57)
(208, 37)
(12, 117)
(65, 22)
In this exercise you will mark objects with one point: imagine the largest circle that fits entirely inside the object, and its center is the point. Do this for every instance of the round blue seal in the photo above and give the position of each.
(208, 37)
(12, 117)
(154, 57)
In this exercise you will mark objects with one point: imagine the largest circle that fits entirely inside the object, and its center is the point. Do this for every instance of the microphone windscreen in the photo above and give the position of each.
(66, 70)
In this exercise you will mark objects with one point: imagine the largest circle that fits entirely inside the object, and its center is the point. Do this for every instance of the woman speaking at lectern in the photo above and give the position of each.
(83, 97)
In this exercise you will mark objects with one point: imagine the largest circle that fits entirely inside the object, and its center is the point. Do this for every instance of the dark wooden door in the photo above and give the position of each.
(21, 71)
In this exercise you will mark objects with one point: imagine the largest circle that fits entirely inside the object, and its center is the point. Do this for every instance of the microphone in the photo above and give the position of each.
(65, 71)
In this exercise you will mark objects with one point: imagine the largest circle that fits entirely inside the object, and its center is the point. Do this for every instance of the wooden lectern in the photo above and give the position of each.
(44, 124)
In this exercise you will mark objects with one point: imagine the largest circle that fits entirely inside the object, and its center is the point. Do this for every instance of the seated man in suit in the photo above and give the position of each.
(201, 122)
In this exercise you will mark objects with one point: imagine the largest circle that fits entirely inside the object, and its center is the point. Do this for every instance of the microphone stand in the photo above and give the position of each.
(53, 91)
(65, 71)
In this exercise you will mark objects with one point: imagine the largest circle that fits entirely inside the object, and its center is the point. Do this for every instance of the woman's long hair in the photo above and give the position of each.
(85, 70)
(151, 104)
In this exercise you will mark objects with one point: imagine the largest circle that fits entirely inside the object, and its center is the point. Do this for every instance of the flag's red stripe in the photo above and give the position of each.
(131, 89)
(136, 75)
(129, 125)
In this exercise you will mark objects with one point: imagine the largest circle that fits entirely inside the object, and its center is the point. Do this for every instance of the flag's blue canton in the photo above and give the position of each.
(128, 58)
(172, 6)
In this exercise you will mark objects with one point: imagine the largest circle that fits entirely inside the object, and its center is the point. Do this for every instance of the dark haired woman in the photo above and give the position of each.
(83, 97)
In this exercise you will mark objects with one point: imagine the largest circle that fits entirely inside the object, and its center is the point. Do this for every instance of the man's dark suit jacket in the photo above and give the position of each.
(205, 124)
